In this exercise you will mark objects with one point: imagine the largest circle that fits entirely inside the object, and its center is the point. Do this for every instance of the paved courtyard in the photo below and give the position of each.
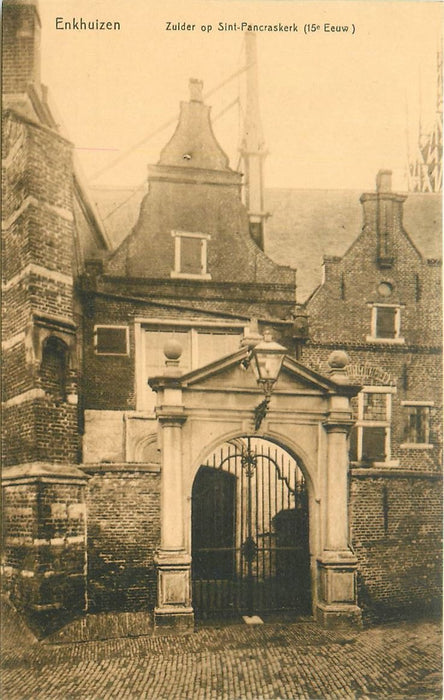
(273, 660)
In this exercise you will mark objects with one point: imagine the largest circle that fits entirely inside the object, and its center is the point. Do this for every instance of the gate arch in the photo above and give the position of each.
(250, 530)
(284, 442)
(309, 417)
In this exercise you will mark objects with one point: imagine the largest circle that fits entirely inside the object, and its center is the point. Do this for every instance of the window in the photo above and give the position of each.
(53, 369)
(201, 344)
(111, 340)
(416, 423)
(385, 324)
(370, 438)
(190, 255)
(385, 289)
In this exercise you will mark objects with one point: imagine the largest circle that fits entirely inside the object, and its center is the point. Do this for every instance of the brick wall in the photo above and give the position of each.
(395, 518)
(44, 549)
(397, 537)
(123, 534)
(44, 515)
(351, 283)
(21, 44)
(414, 372)
(37, 271)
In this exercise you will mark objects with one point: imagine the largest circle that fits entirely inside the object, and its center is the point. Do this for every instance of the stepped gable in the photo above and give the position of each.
(193, 191)
(304, 225)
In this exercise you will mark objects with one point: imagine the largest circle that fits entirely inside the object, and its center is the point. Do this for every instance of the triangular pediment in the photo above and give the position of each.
(234, 371)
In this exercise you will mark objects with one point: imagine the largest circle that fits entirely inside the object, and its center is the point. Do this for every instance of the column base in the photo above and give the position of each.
(171, 620)
(173, 613)
(337, 604)
(338, 616)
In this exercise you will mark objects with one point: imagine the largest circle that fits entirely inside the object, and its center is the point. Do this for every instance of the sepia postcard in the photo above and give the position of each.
(221, 349)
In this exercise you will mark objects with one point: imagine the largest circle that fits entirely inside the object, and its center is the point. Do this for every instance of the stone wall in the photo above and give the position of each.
(44, 546)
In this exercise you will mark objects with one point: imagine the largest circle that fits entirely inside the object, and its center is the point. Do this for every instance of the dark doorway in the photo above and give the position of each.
(213, 529)
(250, 543)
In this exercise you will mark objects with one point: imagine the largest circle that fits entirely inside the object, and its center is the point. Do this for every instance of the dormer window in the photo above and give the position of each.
(190, 255)
(385, 324)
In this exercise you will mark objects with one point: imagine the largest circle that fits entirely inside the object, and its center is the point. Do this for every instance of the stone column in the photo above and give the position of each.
(336, 532)
(173, 563)
(337, 603)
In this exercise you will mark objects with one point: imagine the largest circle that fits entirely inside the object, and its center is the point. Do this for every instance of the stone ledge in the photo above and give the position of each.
(103, 467)
(42, 471)
(393, 473)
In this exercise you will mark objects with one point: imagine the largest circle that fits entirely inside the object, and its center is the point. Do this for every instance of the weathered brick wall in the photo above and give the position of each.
(44, 549)
(109, 379)
(123, 534)
(18, 434)
(56, 433)
(37, 271)
(44, 516)
(415, 372)
(43, 429)
(397, 536)
(338, 310)
(21, 43)
(17, 370)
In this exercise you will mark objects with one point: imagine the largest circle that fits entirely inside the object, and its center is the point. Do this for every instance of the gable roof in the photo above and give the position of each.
(304, 226)
(307, 225)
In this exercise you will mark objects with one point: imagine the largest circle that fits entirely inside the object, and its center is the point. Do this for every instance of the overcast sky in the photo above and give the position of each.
(335, 106)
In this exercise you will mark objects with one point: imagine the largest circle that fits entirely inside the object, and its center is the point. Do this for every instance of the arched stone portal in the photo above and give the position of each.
(309, 418)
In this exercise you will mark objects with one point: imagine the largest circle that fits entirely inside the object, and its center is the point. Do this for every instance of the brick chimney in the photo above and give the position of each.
(383, 212)
(21, 45)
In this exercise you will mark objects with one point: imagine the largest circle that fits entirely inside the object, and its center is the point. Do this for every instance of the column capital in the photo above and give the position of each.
(164, 382)
(169, 416)
(337, 423)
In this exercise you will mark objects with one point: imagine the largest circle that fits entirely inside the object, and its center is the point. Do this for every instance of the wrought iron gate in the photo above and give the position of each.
(250, 550)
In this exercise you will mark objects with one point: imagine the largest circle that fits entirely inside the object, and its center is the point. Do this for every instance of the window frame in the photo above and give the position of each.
(177, 272)
(111, 354)
(418, 445)
(142, 324)
(361, 423)
(373, 337)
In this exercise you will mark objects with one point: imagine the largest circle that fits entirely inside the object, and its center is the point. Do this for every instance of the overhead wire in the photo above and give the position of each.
(142, 185)
(161, 128)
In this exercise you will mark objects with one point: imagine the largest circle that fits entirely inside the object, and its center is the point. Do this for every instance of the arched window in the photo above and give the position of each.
(53, 369)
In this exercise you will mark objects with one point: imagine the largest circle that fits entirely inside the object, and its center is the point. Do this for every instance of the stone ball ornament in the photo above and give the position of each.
(172, 349)
(338, 359)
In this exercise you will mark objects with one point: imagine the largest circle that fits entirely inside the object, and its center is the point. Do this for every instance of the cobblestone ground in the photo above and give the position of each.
(274, 660)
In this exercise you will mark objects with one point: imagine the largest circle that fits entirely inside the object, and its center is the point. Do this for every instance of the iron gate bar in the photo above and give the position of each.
(260, 572)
